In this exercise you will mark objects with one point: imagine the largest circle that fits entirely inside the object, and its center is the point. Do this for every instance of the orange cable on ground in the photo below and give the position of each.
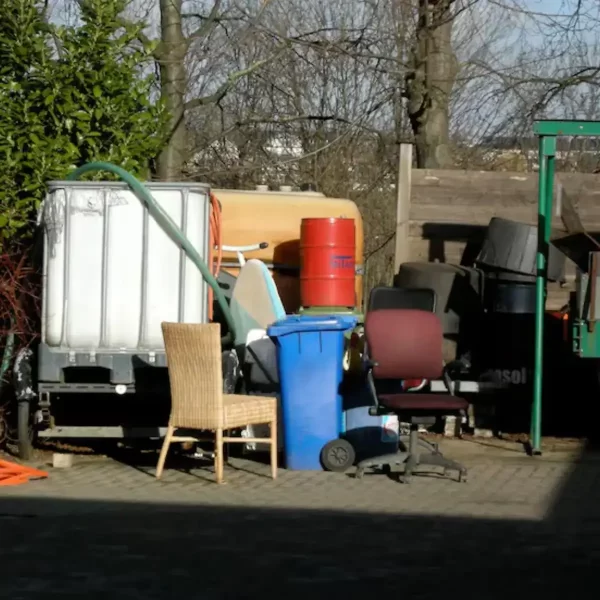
(214, 240)
(15, 474)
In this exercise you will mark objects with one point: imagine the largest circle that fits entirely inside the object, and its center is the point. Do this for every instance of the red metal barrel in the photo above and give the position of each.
(327, 254)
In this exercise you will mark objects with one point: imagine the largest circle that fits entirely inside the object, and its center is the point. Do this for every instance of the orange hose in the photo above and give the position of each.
(214, 241)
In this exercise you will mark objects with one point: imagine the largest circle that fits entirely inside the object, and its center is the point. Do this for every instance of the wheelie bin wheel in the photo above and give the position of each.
(338, 456)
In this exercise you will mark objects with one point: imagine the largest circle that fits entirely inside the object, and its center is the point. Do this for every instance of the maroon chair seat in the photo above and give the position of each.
(421, 402)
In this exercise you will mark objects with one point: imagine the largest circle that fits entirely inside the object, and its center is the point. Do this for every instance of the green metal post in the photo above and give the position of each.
(547, 131)
(550, 148)
(545, 194)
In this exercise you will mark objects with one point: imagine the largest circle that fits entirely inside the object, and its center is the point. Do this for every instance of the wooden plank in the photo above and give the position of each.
(464, 231)
(494, 197)
(444, 196)
(459, 178)
(425, 250)
(568, 213)
(474, 215)
(481, 215)
(401, 251)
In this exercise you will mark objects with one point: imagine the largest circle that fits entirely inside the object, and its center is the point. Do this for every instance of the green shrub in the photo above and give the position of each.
(70, 95)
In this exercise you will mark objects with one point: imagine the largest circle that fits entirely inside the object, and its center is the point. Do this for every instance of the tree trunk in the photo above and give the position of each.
(173, 77)
(429, 84)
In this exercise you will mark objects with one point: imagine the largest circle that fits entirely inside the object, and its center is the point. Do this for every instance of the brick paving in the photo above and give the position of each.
(521, 527)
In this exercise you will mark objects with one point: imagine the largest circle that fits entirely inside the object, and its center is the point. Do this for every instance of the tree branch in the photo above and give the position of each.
(230, 83)
(293, 119)
(208, 23)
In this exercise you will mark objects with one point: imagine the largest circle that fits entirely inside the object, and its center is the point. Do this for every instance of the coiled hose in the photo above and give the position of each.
(168, 225)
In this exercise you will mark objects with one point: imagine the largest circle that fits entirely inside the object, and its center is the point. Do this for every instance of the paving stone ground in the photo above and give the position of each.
(520, 528)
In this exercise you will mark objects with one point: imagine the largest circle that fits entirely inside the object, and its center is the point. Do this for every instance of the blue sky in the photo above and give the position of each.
(547, 6)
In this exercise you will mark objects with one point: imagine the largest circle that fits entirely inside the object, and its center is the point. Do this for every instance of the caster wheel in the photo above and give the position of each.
(462, 478)
(359, 473)
(338, 456)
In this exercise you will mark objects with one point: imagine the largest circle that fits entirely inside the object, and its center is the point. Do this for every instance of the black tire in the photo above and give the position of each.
(25, 430)
(338, 456)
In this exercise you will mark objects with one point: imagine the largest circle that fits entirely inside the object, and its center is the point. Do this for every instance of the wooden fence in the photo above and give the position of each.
(442, 215)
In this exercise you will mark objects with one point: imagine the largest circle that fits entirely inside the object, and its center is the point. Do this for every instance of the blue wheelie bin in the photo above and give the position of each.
(310, 352)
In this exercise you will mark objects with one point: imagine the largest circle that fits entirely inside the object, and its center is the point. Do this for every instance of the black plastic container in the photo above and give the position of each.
(512, 246)
(383, 297)
(506, 355)
(508, 293)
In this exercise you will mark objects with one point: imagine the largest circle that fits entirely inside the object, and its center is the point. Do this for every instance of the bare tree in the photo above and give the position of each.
(324, 78)
(433, 68)
(547, 59)
(178, 40)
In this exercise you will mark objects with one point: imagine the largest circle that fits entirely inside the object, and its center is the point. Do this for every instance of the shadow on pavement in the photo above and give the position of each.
(54, 548)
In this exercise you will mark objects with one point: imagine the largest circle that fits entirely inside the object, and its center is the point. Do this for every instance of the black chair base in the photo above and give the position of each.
(412, 459)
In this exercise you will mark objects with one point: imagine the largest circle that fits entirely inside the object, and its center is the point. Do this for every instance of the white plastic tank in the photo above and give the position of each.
(111, 273)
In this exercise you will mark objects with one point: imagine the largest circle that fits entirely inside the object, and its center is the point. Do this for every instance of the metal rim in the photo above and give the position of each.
(338, 455)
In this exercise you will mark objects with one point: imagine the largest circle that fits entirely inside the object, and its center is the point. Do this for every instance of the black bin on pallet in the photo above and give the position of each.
(509, 293)
(506, 353)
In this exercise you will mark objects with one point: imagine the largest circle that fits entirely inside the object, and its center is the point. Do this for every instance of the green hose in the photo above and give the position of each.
(163, 219)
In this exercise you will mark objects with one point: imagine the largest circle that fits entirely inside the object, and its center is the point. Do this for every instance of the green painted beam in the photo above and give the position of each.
(547, 131)
(551, 127)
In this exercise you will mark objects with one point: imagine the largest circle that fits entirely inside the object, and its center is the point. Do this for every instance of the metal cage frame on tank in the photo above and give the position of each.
(69, 336)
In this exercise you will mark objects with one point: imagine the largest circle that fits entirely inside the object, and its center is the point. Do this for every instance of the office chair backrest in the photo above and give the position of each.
(383, 297)
(405, 344)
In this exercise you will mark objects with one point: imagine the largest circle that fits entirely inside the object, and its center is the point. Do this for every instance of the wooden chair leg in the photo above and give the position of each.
(219, 459)
(163, 451)
(274, 448)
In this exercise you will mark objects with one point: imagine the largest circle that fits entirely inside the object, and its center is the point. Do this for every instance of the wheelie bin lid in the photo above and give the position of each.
(300, 324)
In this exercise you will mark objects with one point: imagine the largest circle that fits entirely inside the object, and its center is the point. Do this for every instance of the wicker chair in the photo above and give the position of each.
(197, 399)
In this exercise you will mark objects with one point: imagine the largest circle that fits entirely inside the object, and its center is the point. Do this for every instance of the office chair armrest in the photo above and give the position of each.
(453, 369)
(458, 367)
(375, 408)
(370, 364)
